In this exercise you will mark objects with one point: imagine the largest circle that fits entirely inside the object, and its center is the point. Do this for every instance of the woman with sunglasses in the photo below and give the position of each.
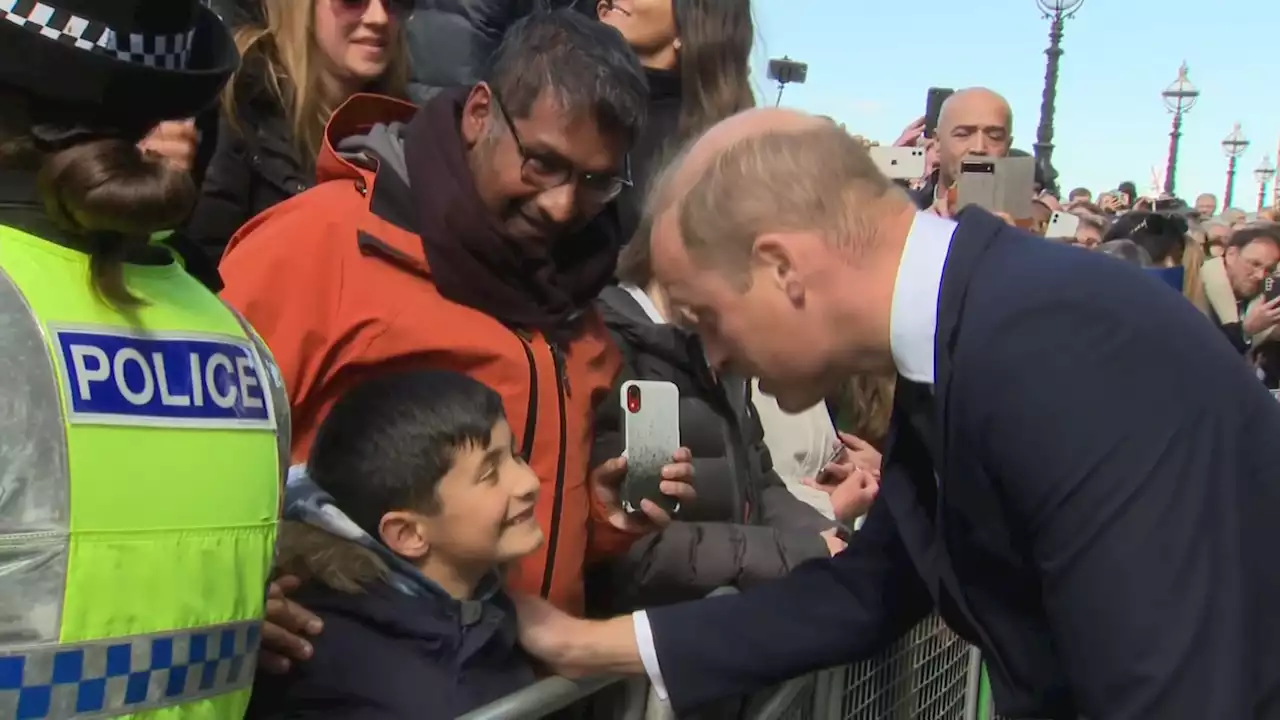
(302, 60)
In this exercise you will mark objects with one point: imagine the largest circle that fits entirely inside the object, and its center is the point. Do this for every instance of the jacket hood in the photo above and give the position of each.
(340, 156)
(625, 317)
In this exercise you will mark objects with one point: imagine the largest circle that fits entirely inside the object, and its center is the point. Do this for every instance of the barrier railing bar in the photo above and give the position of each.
(781, 700)
(541, 698)
(973, 686)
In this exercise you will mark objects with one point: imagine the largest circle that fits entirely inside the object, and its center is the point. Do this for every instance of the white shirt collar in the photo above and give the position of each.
(645, 302)
(913, 319)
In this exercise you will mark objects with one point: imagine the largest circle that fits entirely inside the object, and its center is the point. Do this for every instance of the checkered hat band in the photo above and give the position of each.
(106, 678)
(166, 52)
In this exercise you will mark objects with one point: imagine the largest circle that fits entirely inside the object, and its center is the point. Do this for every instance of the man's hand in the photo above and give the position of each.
(574, 647)
(287, 623)
(1261, 316)
(911, 134)
(851, 495)
(834, 543)
(543, 630)
(677, 482)
(175, 141)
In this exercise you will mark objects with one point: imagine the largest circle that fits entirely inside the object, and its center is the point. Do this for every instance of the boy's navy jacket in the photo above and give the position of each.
(394, 646)
(384, 654)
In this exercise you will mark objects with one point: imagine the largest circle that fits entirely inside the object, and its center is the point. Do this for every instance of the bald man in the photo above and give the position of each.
(975, 121)
(1081, 478)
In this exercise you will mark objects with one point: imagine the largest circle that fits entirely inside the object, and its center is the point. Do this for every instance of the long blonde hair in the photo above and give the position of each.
(1193, 257)
(864, 406)
(286, 44)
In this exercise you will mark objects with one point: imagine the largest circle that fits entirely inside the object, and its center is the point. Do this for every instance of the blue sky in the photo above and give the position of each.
(871, 62)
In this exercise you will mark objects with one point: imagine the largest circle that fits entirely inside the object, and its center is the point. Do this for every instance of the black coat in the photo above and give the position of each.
(1100, 519)
(254, 165)
(745, 526)
(658, 138)
(450, 41)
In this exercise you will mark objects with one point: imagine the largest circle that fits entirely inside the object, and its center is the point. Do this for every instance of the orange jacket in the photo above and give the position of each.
(337, 283)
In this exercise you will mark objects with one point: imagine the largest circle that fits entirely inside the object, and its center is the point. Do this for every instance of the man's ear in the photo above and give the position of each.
(776, 254)
(477, 114)
(406, 534)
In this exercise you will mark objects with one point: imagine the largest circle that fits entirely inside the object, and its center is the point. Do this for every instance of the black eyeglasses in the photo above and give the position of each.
(547, 171)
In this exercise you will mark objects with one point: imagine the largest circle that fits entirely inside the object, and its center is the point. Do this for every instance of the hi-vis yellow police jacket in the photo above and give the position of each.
(141, 459)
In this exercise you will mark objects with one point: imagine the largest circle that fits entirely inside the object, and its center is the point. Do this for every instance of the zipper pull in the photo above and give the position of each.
(562, 369)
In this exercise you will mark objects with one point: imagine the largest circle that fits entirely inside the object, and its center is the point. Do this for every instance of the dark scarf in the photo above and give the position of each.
(527, 285)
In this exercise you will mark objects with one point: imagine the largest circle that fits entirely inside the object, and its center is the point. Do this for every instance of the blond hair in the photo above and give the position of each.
(783, 181)
(286, 43)
(864, 406)
(1193, 257)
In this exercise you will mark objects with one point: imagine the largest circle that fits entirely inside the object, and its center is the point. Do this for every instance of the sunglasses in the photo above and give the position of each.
(396, 8)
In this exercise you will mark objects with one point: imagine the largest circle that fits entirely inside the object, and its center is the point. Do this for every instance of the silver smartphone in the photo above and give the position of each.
(998, 185)
(651, 429)
(1062, 225)
(899, 163)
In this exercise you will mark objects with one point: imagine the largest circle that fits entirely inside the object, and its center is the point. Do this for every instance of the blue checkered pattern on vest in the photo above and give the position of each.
(125, 675)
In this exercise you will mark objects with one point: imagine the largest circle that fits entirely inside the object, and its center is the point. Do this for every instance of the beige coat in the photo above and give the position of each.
(1222, 299)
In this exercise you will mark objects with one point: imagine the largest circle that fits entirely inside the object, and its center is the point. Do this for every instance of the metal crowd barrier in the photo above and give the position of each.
(930, 674)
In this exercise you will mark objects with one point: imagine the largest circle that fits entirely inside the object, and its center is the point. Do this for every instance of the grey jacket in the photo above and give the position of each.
(745, 527)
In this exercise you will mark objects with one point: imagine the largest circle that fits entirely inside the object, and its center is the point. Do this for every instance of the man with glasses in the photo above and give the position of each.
(471, 234)
(1233, 285)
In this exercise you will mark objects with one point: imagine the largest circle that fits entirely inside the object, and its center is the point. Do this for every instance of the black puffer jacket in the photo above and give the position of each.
(745, 526)
(254, 164)
(451, 40)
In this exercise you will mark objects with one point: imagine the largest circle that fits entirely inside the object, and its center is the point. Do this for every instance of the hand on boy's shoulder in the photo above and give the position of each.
(286, 628)
(677, 482)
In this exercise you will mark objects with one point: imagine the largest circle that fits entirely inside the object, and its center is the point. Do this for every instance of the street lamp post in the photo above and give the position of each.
(1058, 11)
(1233, 146)
(1275, 189)
(1179, 98)
(1264, 174)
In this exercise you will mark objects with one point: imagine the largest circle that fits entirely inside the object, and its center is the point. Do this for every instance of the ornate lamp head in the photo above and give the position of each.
(1181, 95)
(1234, 145)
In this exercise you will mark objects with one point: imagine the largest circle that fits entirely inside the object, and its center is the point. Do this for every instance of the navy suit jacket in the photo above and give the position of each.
(1103, 523)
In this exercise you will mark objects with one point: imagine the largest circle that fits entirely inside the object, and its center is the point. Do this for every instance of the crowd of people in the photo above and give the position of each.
(378, 270)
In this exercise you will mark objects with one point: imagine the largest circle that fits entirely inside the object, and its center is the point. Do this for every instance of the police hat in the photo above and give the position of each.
(115, 63)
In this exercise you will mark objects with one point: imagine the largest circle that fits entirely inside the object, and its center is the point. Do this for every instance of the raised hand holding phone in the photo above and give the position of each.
(645, 487)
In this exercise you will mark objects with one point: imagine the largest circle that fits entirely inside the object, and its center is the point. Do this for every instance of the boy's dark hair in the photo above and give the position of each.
(586, 65)
(388, 442)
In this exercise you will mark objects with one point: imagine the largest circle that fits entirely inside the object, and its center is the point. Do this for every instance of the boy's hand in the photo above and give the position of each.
(677, 482)
(283, 641)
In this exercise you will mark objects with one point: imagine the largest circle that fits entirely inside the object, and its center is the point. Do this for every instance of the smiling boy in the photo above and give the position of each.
(413, 499)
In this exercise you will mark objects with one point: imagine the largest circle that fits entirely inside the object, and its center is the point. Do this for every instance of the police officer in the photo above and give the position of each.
(143, 427)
